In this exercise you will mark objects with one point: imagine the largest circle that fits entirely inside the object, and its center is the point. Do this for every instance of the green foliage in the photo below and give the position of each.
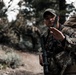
(2, 12)
(10, 59)
(40, 5)
(12, 32)
(1, 5)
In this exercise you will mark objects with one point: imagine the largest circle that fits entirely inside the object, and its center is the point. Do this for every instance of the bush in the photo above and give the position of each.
(11, 59)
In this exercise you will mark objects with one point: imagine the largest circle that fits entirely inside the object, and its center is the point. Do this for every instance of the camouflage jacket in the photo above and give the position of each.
(59, 52)
(69, 31)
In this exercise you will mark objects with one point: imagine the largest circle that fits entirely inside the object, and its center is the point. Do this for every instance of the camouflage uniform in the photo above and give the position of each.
(59, 53)
(70, 32)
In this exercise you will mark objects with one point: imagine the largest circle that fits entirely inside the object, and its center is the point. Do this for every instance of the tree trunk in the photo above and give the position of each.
(62, 8)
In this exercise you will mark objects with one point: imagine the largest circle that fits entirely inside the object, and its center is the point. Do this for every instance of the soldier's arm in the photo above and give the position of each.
(70, 38)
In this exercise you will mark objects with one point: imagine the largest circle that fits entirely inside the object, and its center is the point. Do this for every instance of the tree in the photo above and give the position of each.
(62, 10)
(33, 12)
(2, 12)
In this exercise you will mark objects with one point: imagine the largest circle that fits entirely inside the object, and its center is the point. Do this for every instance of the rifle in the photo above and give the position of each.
(44, 56)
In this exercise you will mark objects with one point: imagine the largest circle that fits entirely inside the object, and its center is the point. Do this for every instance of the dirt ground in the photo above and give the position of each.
(31, 62)
(31, 65)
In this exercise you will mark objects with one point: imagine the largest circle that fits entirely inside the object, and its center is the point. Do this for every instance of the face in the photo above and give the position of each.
(49, 20)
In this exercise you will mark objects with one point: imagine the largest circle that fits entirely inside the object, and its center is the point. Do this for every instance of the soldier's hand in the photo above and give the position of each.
(58, 35)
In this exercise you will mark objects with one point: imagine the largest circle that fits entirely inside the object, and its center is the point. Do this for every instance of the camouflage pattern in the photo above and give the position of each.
(69, 31)
(58, 58)
(62, 54)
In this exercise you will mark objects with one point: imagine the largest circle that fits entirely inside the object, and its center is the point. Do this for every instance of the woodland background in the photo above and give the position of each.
(19, 40)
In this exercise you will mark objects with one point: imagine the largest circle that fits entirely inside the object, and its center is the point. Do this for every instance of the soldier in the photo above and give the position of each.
(69, 31)
(59, 46)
